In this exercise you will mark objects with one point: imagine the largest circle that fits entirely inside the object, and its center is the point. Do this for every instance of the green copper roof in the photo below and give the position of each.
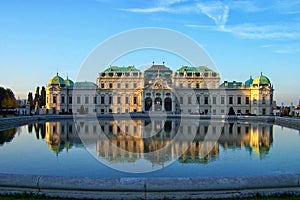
(57, 80)
(85, 84)
(69, 82)
(121, 69)
(261, 80)
(194, 69)
(249, 82)
(233, 84)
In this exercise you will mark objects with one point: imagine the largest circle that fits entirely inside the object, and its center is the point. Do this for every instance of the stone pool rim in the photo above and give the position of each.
(151, 188)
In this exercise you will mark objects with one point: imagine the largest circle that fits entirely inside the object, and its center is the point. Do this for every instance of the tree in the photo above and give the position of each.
(43, 96)
(30, 100)
(7, 99)
(37, 98)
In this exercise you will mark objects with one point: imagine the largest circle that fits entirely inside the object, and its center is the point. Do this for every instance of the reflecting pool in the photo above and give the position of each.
(144, 148)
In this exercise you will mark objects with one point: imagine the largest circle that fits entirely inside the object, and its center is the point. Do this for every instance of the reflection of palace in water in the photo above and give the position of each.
(159, 141)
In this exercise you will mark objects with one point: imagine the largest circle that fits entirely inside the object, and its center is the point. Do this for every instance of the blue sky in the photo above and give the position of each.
(243, 38)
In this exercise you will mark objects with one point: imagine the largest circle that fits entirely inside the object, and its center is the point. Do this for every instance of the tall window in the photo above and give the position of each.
(110, 99)
(181, 100)
(63, 99)
(189, 100)
(214, 100)
(110, 85)
(198, 99)
(86, 100)
(222, 100)
(239, 100)
(102, 85)
(118, 85)
(70, 100)
(197, 85)
(205, 100)
(95, 100)
(247, 100)
(230, 100)
(102, 100)
(126, 100)
(119, 100)
(54, 99)
(78, 100)
(134, 100)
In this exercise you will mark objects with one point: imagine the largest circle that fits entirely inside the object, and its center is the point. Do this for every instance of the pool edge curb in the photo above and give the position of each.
(151, 188)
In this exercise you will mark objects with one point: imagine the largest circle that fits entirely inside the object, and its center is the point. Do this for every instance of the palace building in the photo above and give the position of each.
(194, 90)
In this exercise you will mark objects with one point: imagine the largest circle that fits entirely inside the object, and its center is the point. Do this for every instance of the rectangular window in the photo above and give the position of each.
(247, 100)
(126, 85)
(119, 85)
(214, 100)
(181, 100)
(102, 85)
(78, 100)
(197, 85)
(222, 100)
(110, 99)
(110, 85)
(198, 99)
(102, 111)
(86, 100)
(189, 100)
(102, 100)
(54, 99)
(119, 100)
(95, 100)
(239, 100)
(214, 112)
(246, 129)
(238, 130)
(134, 100)
(126, 100)
(263, 100)
(205, 100)
(63, 99)
(70, 100)
(135, 85)
(222, 111)
(230, 100)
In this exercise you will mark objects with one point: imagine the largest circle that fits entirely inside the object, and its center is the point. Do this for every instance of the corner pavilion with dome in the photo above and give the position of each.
(194, 90)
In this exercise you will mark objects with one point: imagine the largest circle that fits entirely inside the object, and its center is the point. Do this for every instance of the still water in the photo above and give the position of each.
(144, 148)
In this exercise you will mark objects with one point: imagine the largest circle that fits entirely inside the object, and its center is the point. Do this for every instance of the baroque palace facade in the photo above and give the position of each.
(195, 90)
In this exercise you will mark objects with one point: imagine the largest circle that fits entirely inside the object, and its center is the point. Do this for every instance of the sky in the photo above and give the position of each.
(243, 38)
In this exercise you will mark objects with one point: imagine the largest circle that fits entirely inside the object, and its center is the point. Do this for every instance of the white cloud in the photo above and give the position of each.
(147, 10)
(217, 11)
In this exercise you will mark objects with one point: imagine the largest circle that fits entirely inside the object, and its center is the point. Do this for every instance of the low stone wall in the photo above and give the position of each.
(288, 122)
(151, 188)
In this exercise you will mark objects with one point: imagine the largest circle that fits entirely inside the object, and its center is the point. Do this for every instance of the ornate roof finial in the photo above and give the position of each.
(152, 62)
(158, 75)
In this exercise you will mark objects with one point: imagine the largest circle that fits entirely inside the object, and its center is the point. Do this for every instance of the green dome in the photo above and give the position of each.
(69, 82)
(57, 80)
(249, 82)
(261, 80)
